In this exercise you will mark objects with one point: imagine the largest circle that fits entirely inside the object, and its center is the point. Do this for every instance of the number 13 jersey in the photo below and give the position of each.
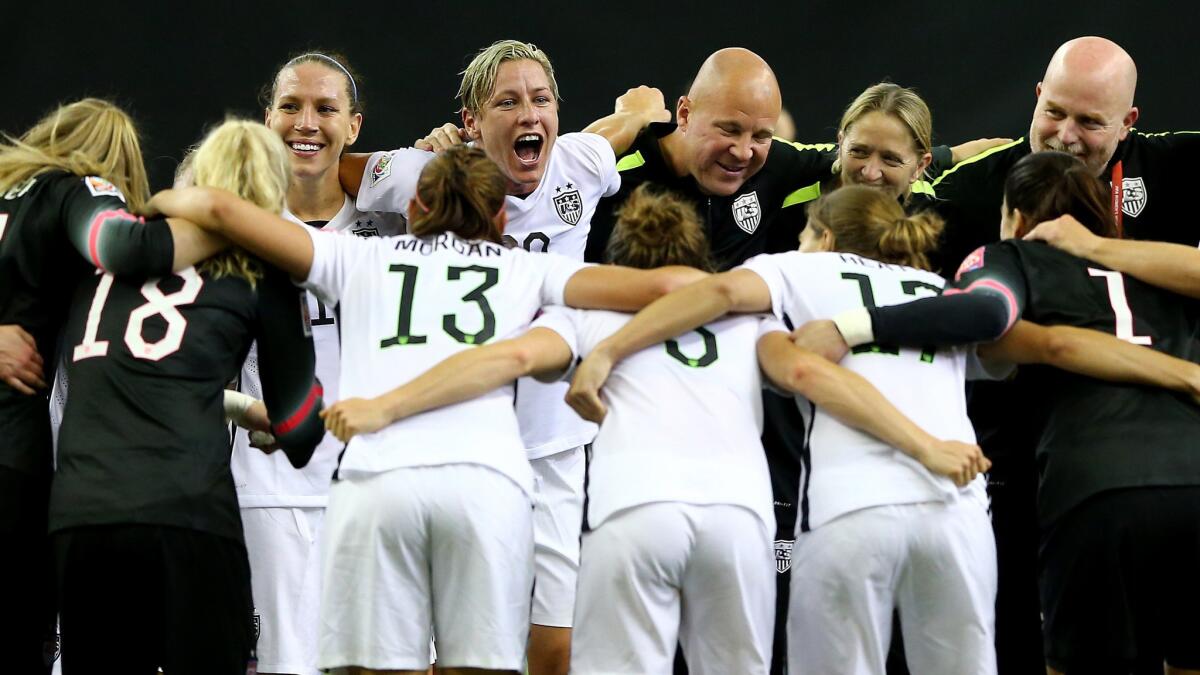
(407, 303)
(556, 217)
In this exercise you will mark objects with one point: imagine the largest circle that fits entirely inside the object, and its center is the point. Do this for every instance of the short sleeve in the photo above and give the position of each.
(557, 271)
(995, 269)
(767, 267)
(600, 155)
(389, 180)
(565, 322)
(335, 258)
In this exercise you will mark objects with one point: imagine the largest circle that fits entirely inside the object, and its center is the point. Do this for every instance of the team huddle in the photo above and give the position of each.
(653, 397)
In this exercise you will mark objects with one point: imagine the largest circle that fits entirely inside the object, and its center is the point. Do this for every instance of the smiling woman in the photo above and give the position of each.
(314, 102)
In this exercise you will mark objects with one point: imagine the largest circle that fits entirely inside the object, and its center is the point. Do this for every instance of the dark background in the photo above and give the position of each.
(181, 66)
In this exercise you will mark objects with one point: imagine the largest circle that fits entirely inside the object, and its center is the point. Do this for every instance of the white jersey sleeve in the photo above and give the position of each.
(599, 153)
(389, 180)
(335, 257)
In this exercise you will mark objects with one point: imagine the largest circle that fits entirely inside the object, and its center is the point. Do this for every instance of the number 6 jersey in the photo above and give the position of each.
(845, 469)
(406, 303)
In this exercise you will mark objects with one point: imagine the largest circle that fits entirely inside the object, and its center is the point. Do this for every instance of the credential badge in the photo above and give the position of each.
(783, 554)
(1133, 196)
(568, 203)
(747, 213)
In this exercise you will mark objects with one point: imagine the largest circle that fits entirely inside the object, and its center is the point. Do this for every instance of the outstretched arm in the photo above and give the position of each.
(634, 109)
(466, 375)
(280, 242)
(691, 306)
(1171, 266)
(1094, 354)
(853, 400)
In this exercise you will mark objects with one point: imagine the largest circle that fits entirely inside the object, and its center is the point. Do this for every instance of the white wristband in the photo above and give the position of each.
(855, 326)
(236, 405)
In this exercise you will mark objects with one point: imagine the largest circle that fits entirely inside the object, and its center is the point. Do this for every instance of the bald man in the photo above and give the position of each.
(1085, 106)
(720, 154)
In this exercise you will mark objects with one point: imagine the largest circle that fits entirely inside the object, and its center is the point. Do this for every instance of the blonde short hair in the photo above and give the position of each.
(900, 102)
(90, 137)
(251, 161)
(479, 78)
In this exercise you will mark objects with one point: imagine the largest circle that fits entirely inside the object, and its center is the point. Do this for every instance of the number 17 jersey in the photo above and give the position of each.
(846, 469)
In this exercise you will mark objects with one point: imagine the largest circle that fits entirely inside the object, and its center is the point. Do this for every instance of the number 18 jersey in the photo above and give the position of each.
(846, 469)
(407, 303)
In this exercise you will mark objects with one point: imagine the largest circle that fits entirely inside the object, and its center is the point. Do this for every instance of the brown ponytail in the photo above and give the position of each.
(459, 191)
(1046, 185)
(656, 228)
(870, 223)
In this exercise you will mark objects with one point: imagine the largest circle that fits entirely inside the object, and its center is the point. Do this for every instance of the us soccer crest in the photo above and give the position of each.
(568, 203)
(1133, 196)
(366, 229)
(747, 213)
(783, 554)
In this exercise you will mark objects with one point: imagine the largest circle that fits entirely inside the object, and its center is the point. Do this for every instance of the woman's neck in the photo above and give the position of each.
(316, 197)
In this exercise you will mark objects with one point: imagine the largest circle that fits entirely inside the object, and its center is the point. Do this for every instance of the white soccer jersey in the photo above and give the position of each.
(684, 418)
(269, 480)
(850, 470)
(555, 217)
(407, 303)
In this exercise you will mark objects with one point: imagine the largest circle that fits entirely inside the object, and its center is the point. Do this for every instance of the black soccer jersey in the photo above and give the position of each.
(1150, 176)
(143, 438)
(739, 226)
(54, 229)
(1093, 436)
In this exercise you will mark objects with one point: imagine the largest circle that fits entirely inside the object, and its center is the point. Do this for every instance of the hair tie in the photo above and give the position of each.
(330, 59)
(420, 203)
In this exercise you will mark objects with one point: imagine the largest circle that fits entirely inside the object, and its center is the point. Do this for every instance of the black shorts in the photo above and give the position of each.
(27, 632)
(1119, 583)
(134, 598)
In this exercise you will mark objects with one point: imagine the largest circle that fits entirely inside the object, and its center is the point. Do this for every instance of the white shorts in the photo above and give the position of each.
(557, 520)
(448, 547)
(660, 573)
(935, 563)
(285, 577)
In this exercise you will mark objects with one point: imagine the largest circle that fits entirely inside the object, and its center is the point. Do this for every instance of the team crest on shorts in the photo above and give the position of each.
(747, 213)
(383, 169)
(783, 554)
(101, 188)
(257, 626)
(568, 203)
(1133, 196)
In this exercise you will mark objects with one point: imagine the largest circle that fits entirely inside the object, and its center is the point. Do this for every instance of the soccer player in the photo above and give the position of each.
(1085, 105)
(315, 104)
(679, 498)
(152, 569)
(510, 104)
(1117, 519)
(68, 186)
(468, 570)
(944, 576)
